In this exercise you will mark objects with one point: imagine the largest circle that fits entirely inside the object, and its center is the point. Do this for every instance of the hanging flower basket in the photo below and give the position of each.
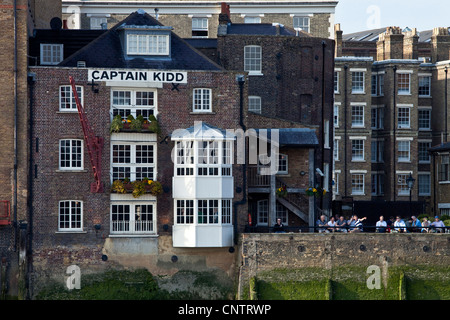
(138, 124)
(281, 191)
(315, 192)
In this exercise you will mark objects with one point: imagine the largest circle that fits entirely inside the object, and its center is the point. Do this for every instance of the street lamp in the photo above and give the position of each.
(410, 182)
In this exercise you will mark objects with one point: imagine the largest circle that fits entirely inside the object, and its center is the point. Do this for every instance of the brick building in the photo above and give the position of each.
(18, 19)
(389, 110)
(217, 154)
(199, 19)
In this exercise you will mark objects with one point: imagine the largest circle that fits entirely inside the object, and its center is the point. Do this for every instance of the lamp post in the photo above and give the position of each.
(410, 182)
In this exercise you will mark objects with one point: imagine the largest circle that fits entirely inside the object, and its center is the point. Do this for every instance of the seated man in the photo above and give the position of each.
(321, 224)
(278, 227)
(341, 224)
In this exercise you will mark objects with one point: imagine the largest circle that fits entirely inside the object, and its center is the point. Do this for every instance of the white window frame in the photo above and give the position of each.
(200, 24)
(254, 104)
(426, 86)
(359, 151)
(403, 80)
(202, 100)
(70, 99)
(404, 117)
(420, 151)
(133, 225)
(144, 46)
(252, 19)
(336, 81)
(56, 51)
(253, 59)
(262, 209)
(282, 213)
(358, 113)
(187, 212)
(404, 146)
(71, 215)
(402, 185)
(358, 182)
(358, 81)
(282, 163)
(298, 22)
(336, 114)
(132, 165)
(336, 148)
(71, 155)
(132, 108)
(95, 23)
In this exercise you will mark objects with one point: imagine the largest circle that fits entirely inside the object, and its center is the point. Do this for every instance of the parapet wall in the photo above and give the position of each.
(265, 252)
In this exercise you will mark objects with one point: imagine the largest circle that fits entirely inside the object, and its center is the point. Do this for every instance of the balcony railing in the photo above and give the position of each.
(132, 227)
(257, 180)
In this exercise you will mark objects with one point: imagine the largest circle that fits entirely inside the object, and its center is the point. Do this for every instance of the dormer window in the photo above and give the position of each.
(147, 44)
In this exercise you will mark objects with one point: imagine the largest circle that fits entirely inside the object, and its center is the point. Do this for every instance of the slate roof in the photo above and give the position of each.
(372, 35)
(72, 40)
(294, 137)
(441, 147)
(266, 29)
(107, 50)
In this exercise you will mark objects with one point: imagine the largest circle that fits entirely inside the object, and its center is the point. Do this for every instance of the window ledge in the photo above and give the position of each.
(71, 232)
(133, 235)
(67, 112)
(202, 112)
(72, 171)
(250, 73)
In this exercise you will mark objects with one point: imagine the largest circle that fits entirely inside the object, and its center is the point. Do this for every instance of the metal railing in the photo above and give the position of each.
(349, 229)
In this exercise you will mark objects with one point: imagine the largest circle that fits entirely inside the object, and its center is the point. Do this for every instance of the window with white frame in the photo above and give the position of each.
(424, 185)
(358, 116)
(184, 211)
(254, 104)
(425, 86)
(199, 27)
(336, 149)
(67, 99)
(70, 217)
(70, 154)
(263, 212)
(358, 81)
(252, 19)
(403, 118)
(51, 53)
(96, 22)
(202, 100)
(253, 59)
(336, 82)
(133, 161)
(133, 102)
(404, 83)
(404, 151)
(147, 44)
(377, 121)
(424, 119)
(402, 185)
(336, 116)
(335, 187)
(212, 158)
(133, 217)
(301, 22)
(357, 150)
(357, 183)
(326, 134)
(424, 156)
(283, 164)
(209, 211)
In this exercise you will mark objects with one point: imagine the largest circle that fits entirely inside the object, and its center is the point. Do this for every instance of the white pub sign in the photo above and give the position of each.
(124, 75)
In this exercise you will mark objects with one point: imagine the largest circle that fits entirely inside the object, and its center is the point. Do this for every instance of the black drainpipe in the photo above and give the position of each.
(394, 159)
(241, 81)
(345, 131)
(445, 105)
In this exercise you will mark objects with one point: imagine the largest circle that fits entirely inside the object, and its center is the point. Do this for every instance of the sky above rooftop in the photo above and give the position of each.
(360, 15)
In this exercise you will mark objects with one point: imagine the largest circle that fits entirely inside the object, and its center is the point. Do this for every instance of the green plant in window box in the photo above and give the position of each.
(155, 188)
(138, 189)
(116, 124)
(118, 187)
(154, 125)
(136, 124)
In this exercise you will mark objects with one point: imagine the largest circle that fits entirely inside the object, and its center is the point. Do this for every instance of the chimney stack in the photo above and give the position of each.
(440, 45)
(390, 44)
(338, 40)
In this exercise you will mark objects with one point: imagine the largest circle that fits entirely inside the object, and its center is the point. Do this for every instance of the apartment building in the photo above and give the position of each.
(199, 19)
(389, 111)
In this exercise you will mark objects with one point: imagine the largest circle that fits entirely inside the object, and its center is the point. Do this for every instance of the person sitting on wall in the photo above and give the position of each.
(415, 224)
(341, 223)
(381, 225)
(399, 224)
(425, 225)
(321, 224)
(437, 224)
(278, 227)
(358, 224)
(331, 224)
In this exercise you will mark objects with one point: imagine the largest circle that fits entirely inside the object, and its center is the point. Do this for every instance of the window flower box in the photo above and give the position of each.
(131, 124)
(137, 188)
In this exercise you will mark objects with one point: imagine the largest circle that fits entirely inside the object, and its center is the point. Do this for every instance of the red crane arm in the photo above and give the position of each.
(94, 144)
